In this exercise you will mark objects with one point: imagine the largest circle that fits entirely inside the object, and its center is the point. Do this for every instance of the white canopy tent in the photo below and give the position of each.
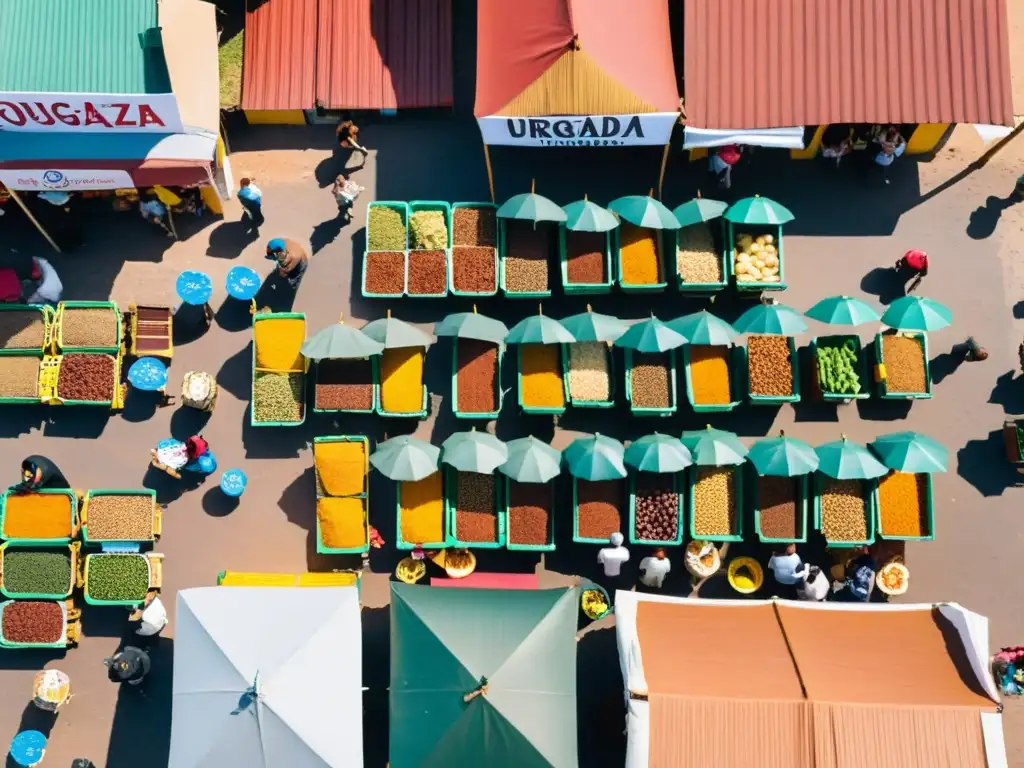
(267, 676)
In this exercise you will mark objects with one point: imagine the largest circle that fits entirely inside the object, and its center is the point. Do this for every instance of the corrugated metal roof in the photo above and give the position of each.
(279, 63)
(81, 46)
(775, 63)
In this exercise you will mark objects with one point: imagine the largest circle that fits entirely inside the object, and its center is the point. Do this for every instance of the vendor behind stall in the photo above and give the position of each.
(38, 472)
(291, 259)
(43, 285)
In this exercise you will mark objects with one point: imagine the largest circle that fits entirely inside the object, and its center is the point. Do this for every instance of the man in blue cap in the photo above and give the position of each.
(291, 259)
(251, 198)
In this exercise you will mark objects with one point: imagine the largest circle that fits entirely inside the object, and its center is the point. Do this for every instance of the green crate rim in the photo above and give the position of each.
(85, 579)
(680, 513)
(647, 288)
(862, 368)
(576, 512)
(449, 487)
(929, 496)
(48, 320)
(673, 381)
(455, 385)
(44, 491)
(504, 512)
(519, 384)
(400, 543)
(59, 325)
(374, 375)
(870, 513)
(703, 288)
(62, 643)
(610, 402)
(802, 508)
(37, 595)
(118, 492)
(405, 281)
(735, 376)
(563, 264)
(883, 391)
(398, 205)
(794, 370)
(737, 479)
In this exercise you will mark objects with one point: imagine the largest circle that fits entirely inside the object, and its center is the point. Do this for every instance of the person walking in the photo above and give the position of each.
(151, 617)
(292, 260)
(913, 264)
(348, 137)
(129, 665)
(654, 569)
(612, 557)
(155, 211)
(251, 198)
(722, 161)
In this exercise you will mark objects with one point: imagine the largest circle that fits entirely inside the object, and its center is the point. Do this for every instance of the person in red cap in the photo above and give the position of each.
(722, 162)
(914, 263)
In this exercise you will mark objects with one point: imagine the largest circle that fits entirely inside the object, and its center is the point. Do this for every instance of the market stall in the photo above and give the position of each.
(120, 578)
(773, 377)
(651, 384)
(846, 494)
(715, 488)
(656, 489)
(45, 516)
(341, 468)
(347, 369)
(420, 515)
(599, 498)
(905, 498)
(712, 363)
(27, 332)
(528, 226)
(278, 370)
(585, 248)
(540, 352)
(840, 368)
(701, 247)
(478, 346)
(39, 624)
(472, 497)
(401, 391)
(528, 495)
(755, 236)
(780, 487)
(589, 361)
(642, 242)
(902, 370)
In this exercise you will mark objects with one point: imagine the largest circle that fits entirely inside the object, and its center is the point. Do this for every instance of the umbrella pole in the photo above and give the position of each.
(490, 172)
(664, 165)
(21, 204)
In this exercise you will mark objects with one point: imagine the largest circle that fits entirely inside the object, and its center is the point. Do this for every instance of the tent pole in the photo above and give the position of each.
(664, 164)
(33, 219)
(490, 173)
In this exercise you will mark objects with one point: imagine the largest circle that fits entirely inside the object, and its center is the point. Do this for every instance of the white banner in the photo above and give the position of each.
(65, 181)
(98, 113)
(579, 130)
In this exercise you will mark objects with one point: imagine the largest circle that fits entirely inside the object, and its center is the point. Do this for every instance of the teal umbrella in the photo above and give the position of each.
(531, 461)
(771, 318)
(539, 329)
(658, 453)
(703, 328)
(595, 457)
(340, 342)
(530, 206)
(394, 333)
(916, 313)
(474, 452)
(470, 325)
(910, 452)
(592, 326)
(757, 210)
(405, 458)
(714, 447)
(587, 216)
(782, 456)
(644, 211)
(842, 310)
(844, 459)
(699, 209)
(650, 335)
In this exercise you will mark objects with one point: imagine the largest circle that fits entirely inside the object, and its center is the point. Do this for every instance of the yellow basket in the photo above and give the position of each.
(756, 571)
(49, 373)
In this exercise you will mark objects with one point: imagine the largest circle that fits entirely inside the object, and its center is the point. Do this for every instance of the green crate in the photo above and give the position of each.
(755, 230)
(661, 243)
(397, 205)
(861, 367)
(379, 397)
(737, 482)
(400, 543)
(61, 643)
(870, 507)
(320, 491)
(929, 501)
(85, 579)
(45, 491)
(450, 504)
(736, 374)
(451, 253)
(503, 516)
(375, 376)
(563, 261)
(370, 294)
(883, 392)
(718, 232)
(71, 549)
(801, 506)
(157, 515)
(480, 206)
(117, 400)
(610, 402)
(576, 514)
(48, 317)
(794, 372)
(305, 406)
(323, 549)
(631, 490)
(447, 277)
(25, 400)
(519, 381)
(672, 382)
(432, 205)
(455, 386)
(502, 248)
(111, 350)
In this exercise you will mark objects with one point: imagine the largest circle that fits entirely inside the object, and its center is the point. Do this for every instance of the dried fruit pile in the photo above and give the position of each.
(527, 248)
(843, 511)
(19, 376)
(385, 272)
(277, 397)
(585, 262)
(94, 327)
(118, 577)
(598, 508)
(22, 329)
(904, 364)
(650, 382)
(37, 572)
(529, 512)
(476, 514)
(86, 377)
(709, 374)
(37, 516)
(715, 510)
(589, 371)
(342, 522)
(656, 507)
(421, 510)
(344, 385)
(696, 258)
(428, 230)
(385, 230)
(120, 518)
(475, 226)
(340, 466)
(473, 269)
(476, 376)
(401, 379)
(639, 255)
(903, 505)
(770, 366)
(32, 621)
(776, 499)
(428, 273)
(541, 376)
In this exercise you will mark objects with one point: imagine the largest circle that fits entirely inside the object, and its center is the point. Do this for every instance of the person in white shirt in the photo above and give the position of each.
(814, 587)
(152, 617)
(787, 566)
(653, 570)
(614, 556)
(44, 287)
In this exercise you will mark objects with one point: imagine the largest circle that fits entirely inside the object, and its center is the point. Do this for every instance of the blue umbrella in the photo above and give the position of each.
(194, 287)
(147, 374)
(243, 283)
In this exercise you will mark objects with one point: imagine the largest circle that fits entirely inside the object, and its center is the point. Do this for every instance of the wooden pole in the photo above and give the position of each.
(490, 173)
(21, 204)
(664, 164)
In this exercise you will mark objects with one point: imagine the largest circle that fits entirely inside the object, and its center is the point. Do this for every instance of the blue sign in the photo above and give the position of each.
(243, 283)
(194, 287)
(147, 374)
(233, 482)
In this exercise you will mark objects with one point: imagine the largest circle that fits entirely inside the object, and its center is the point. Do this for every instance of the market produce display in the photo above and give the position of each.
(421, 510)
(769, 366)
(118, 577)
(344, 385)
(428, 273)
(340, 466)
(585, 260)
(903, 505)
(650, 380)
(87, 377)
(843, 511)
(37, 516)
(22, 329)
(152, 330)
(756, 259)
(33, 621)
(121, 517)
(593, 603)
(19, 375)
(837, 367)
(476, 376)
(385, 272)
(36, 572)
(714, 502)
(529, 512)
(278, 341)
(401, 379)
(342, 521)
(709, 374)
(590, 371)
(656, 507)
(697, 261)
(702, 558)
(385, 229)
(599, 508)
(527, 248)
(428, 230)
(541, 376)
(475, 226)
(639, 255)
(777, 505)
(904, 361)
(89, 327)
(893, 578)
(277, 397)
(476, 516)
(473, 269)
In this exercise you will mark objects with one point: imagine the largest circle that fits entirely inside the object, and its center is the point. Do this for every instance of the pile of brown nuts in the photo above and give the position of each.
(904, 364)
(476, 518)
(476, 376)
(843, 515)
(344, 385)
(650, 383)
(120, 518)
(385, 273)
(527, 248)
(428, 273)
(776, 500)
(714, 502)
(769, 366)
(529, 512)
(598, 508)
(86, 377)
(475, 226)
(585, 257)
(473, 269)
(656, 507)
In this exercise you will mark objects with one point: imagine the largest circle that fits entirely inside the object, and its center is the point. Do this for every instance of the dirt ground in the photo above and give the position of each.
(849, 227)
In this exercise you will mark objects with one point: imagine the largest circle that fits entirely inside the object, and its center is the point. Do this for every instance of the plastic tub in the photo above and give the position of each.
(502, 252)
(153, 559)
(39, 377)
(455, 386)
(503, 514)
(266, 317)
(432, 205)
(451, 276)
(375, 386)
(633, 538)
(480, 206)
(49, 375)
(59, 324)
(860, 368)
(737, 484)
(364, 496)
(610, 402)
(641, 411)
(68, 633)
(880, 374)
(756, 230)
(563, 260)
(929, 511)
(718, 232)
(519, 382)
(405, 280)
(72, 551)
(400, 543)
(870, 512)
(661, 241)
(736, 377)
(451, 254)
(379, 395)
(48, 318)
(157, 515)
(623, 510)
(802, 508)
(450, 506)
(794, 365)
(73, 523)
(396, 205)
